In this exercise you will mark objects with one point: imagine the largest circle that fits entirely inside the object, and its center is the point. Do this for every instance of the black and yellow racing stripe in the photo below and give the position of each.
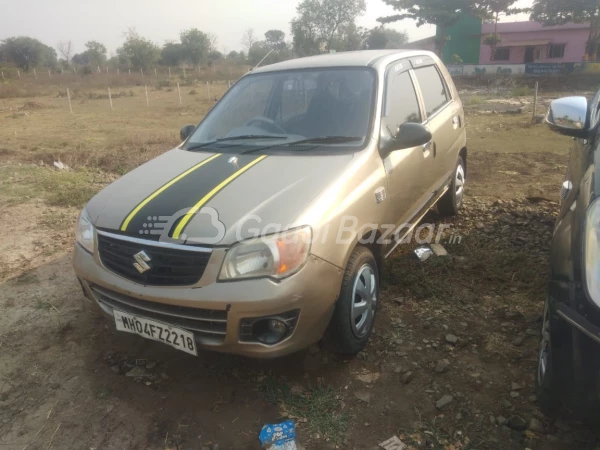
(191, 190)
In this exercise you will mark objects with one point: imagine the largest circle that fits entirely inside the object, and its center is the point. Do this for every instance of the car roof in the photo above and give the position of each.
(363, 58)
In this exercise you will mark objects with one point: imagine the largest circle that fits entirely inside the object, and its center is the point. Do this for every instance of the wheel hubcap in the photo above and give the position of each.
(460, 184)
(364, 301)
(544, 344)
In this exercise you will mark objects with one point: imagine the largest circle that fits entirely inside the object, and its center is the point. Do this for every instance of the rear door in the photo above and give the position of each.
(407, 169)
(442, 119)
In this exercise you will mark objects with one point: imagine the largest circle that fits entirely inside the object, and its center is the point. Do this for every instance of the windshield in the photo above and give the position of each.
(281, 108)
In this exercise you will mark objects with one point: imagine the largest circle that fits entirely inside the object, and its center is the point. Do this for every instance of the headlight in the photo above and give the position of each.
(277, 256)
(591, 251)
(85, 232)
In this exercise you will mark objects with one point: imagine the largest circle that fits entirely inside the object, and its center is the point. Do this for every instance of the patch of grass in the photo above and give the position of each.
(521, 91)
(103, 393)
(437, 436)
(473, 100)
(42, 305)
(27, 278)
(57, 220)
(318, 405)
(19, 184)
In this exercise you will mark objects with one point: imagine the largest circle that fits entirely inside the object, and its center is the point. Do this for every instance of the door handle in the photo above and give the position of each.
(456, 122)
(427, 147)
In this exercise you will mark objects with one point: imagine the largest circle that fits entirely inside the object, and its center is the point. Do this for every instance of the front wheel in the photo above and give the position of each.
(452, 200)
(355, 310)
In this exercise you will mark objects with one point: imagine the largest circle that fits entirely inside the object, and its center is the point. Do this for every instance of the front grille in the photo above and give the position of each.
(168, 267)
(208, 325)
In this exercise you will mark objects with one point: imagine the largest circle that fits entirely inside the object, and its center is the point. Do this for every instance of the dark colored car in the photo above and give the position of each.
(569, 366)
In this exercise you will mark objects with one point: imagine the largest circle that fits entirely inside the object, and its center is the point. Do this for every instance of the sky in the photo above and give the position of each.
(52, 21)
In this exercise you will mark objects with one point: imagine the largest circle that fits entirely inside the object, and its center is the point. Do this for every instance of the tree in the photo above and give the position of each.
(95, 54)
(138, 51)
(380, 38)
(349, 38)
(275, 39)
(318, 24)
(263, 49)
(305, 29)
(248, 39)
(491, 9)
(81, 59)
(442, 13)
(396, 39)
(338, 13)
(26, 52)
(171, 54)
(557, 12)
(195, 46)
(257, 52)
(376, 39)
(212, 42)
(65, 48)
(215, 55)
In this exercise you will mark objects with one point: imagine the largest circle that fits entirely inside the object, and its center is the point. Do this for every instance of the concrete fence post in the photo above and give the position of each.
(69, 97)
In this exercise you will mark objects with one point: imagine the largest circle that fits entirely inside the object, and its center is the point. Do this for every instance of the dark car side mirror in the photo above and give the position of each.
(409, 135)
(569, 116)
(186, 132)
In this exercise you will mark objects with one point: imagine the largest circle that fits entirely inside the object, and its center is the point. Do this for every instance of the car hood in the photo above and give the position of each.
(201, 198)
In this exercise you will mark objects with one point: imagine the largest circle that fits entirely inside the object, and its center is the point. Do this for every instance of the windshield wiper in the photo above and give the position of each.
(236, 138)
(319, 140)
(327, 140)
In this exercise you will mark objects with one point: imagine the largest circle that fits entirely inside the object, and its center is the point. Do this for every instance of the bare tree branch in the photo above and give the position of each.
(248, 39)
(65, 49)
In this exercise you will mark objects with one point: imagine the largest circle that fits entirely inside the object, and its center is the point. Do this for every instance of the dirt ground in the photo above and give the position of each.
(464, 327)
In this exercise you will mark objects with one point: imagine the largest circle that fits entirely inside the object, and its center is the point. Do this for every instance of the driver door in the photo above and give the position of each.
(408, 186)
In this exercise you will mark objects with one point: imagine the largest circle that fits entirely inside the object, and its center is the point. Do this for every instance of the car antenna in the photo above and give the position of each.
(261, 61)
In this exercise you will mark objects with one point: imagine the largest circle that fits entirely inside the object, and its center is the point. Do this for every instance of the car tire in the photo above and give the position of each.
(452, 200)
(550, 379)
(356, 308)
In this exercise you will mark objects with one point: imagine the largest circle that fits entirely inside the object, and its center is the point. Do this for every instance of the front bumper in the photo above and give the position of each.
(313, 291)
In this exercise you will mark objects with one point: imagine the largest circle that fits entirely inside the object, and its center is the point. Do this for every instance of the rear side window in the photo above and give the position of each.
(401, 104)
(433, 88)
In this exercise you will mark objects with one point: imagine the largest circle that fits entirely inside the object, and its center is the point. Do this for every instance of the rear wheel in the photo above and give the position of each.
(452, 200)
(355, 310)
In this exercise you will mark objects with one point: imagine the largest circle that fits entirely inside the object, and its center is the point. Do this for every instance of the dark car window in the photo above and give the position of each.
(401, 104)
(433, 88)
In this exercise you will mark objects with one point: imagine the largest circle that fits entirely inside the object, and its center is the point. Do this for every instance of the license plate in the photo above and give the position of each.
(157, 331)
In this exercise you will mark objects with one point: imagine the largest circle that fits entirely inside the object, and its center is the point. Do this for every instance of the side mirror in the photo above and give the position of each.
(186, 131)
(409, 135)
(568, 116)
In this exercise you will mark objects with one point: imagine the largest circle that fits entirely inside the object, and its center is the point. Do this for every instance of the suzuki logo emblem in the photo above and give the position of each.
(141, 263)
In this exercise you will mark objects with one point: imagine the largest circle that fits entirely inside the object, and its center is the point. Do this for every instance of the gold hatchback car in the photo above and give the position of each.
(267, 228)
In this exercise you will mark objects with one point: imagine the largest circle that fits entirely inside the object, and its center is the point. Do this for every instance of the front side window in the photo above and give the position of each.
(401, 104)
(502, 54)
(433, 89)
(556, 51)
(292, 106)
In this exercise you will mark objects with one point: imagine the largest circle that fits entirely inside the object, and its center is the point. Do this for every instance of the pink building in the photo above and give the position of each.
(531, 42)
